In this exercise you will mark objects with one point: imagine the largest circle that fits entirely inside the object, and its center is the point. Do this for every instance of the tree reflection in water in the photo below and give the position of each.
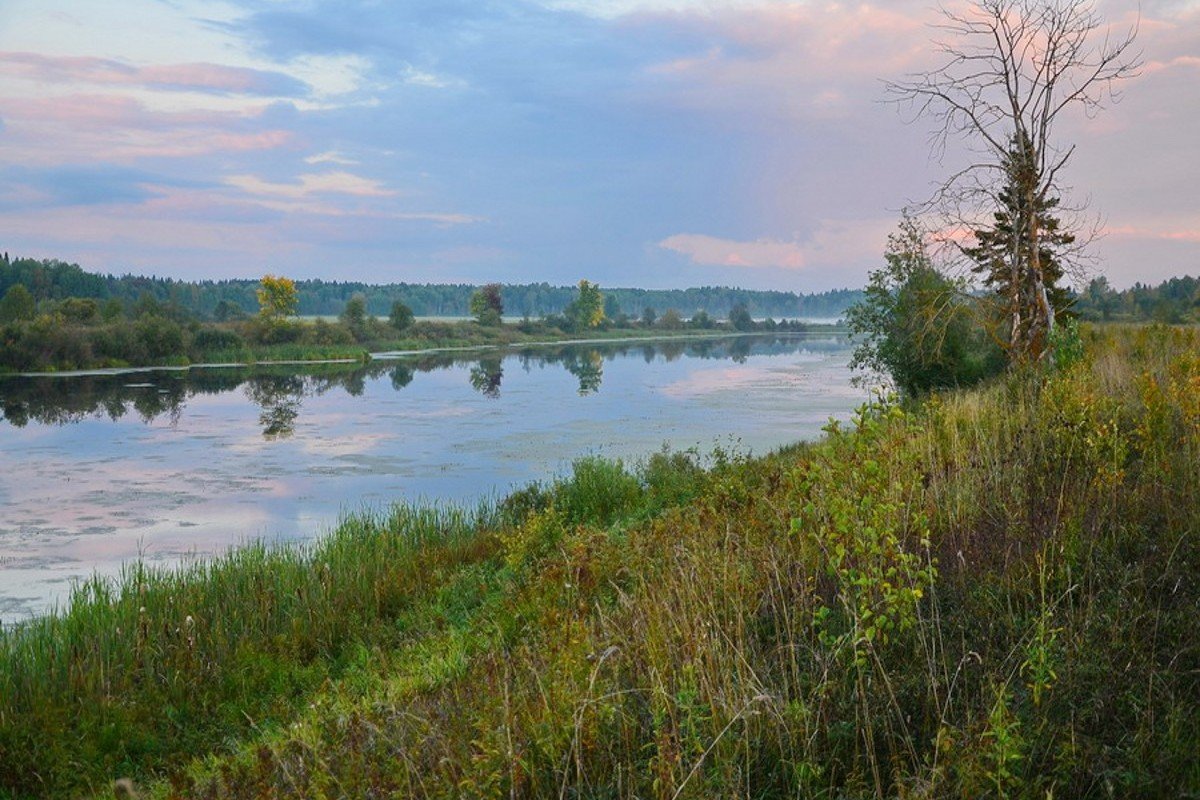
(279, 398)
(279, 391)
(486, 376)
(588, 367)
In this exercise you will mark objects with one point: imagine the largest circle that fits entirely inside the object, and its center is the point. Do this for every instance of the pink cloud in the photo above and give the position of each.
(76, 128)
(108, 72)
(712, 251)
(797, 60)
(854, 242)
(1191, 235)
(1186, 62)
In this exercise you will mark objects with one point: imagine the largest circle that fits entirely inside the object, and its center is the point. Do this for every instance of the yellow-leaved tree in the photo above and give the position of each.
(277, 297)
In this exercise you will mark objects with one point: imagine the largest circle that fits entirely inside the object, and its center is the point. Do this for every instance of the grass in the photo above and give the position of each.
(991, 594)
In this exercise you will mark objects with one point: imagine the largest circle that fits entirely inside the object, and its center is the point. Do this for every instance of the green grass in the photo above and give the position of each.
(993, 594)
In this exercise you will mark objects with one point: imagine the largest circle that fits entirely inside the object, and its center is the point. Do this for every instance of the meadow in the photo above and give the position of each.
(991, 593)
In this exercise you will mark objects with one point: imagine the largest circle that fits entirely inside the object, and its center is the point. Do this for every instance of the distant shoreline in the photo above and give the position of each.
(401, 354)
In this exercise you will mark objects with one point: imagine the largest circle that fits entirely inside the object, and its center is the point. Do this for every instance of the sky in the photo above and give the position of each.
(654, 143)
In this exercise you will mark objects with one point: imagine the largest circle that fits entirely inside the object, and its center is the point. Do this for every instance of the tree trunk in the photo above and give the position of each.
(1044, 321)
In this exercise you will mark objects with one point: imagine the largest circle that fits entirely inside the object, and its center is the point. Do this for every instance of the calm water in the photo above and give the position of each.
(97, 469)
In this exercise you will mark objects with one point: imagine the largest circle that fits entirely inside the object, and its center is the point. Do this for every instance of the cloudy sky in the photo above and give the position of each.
(659, 143)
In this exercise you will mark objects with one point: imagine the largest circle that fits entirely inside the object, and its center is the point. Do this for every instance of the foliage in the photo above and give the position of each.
(81, 311)
(740, 318)
(401, 316)
(1001, 254)
(1176, 300)
(354, 317)
(487, 306)
(587, 309)
(670, 320)
(17, 304)
(277, 297)
(915, 326)
(226, 310)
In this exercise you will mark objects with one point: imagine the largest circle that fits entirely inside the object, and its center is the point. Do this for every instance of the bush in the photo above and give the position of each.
(272, 330)
(159, 338)
(918, 327)
(598, 492)
(323, 333)
(212, 339)
(401, 317)
(79, 310)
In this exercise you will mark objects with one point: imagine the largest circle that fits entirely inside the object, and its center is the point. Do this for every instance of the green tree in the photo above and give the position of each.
(487, 306)
(649, 316)
(740, 318)
(587, 309)
(80, 310)
(226, 310)
(670, 320)
(612, 307)
(147, 305)
(112, 310)
(277, 297)
(17, 304)
(401, 317)
(354, 316)
(915, 325)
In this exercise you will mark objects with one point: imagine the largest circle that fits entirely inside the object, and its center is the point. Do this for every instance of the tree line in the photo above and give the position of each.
(82, 332)
(51, 279)
(1176, 300)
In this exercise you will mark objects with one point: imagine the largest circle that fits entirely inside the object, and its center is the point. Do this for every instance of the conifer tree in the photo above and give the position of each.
(1019, 255)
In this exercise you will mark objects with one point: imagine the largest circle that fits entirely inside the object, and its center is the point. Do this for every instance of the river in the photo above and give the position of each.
(102, 468)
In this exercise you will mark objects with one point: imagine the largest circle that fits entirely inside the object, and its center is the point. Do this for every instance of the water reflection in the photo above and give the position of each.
(278, 398)
(280, 391)
(98, 469)
(588, 368)
(486, 376)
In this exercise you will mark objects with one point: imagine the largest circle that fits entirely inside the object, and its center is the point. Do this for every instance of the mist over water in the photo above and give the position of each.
(99, 469)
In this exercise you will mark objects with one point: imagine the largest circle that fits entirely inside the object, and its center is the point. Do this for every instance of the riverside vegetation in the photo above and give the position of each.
(992, 593)
(49, 333)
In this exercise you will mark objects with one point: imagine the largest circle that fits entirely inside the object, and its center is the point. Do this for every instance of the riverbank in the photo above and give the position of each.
(43, 349)
(994, 593)
(619, 336)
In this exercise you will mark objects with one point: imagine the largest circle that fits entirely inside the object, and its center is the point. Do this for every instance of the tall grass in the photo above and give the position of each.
(167, 662)
(992, 595)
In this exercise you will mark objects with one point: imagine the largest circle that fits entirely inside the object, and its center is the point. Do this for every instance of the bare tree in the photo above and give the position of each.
(1010, 70)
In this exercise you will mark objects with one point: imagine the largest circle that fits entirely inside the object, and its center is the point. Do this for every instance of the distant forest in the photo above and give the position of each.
(56, 280)
(1174, 300)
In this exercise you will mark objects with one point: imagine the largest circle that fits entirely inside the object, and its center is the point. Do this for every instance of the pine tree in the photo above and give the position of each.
(1020, 255)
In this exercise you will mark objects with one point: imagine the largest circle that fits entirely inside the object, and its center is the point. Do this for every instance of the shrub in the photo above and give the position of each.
(598, 492)
(212, 339)
(158, 338)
